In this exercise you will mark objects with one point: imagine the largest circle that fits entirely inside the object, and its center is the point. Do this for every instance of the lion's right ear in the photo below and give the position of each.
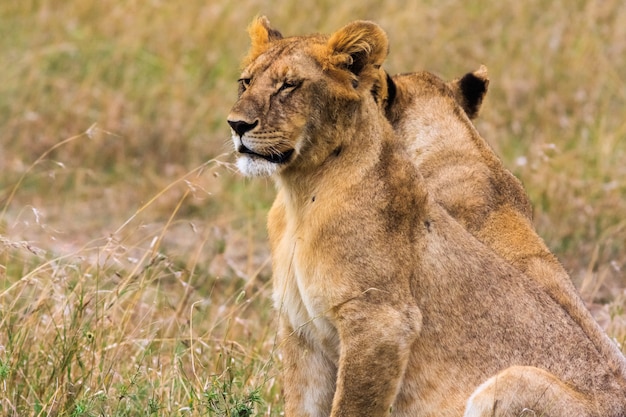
(470, 90)
(261, 35)
(357, 45)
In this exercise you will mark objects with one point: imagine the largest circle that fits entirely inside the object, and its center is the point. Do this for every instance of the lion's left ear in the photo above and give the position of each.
(261, 36)
(357, 45)
(470, 90)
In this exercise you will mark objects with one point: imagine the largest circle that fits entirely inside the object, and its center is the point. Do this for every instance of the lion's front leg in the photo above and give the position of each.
(309, 376)
(376, 343)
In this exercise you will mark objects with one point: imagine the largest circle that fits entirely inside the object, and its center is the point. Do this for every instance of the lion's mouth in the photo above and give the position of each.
(275, 158)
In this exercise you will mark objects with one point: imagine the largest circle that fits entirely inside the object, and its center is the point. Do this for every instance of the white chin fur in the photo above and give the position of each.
(255, 167)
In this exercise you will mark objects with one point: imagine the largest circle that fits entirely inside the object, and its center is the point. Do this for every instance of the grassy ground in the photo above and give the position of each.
(134, 274)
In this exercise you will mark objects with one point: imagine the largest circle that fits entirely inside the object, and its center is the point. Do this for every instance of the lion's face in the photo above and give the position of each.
(268, 121)
(285, 89)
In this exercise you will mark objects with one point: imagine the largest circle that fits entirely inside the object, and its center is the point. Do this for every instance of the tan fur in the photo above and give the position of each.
(466, 177)
(387, 305)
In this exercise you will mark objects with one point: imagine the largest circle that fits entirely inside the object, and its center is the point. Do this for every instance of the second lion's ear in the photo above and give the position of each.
(357, 46)
(470, 90)
(261, 36)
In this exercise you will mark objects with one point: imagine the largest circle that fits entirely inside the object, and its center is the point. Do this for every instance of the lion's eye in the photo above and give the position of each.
(244, 83)
(288, 86)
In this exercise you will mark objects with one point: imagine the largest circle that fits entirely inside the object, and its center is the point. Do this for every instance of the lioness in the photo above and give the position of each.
(467, 178)
(388, 306)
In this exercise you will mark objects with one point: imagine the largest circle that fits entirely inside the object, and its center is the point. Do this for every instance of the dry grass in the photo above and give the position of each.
(133, 273)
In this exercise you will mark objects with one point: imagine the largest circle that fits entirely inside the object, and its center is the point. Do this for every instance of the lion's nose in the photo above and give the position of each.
(241, 127)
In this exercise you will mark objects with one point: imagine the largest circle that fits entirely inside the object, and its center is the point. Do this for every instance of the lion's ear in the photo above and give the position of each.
(357, 45)
(470, 90)
(261, 35)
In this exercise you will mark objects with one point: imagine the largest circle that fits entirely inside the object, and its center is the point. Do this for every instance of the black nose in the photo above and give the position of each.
(240, 127)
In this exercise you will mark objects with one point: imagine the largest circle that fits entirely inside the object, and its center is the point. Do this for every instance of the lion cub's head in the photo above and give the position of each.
(293, 89)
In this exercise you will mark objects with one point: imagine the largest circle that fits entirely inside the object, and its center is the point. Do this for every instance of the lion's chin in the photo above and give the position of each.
(254, 166)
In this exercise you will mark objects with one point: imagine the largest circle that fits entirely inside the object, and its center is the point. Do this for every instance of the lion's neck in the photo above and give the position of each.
(349, 154)
(429, 124)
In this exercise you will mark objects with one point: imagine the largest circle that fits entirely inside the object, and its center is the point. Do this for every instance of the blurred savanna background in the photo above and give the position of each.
(134, 268)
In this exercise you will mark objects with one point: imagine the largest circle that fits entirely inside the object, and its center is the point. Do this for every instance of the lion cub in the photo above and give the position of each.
(467, 178)
(387, 305)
